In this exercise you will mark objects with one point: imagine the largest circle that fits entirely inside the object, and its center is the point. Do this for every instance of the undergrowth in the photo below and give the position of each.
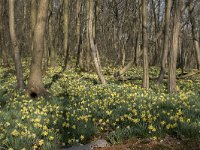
(80, 110)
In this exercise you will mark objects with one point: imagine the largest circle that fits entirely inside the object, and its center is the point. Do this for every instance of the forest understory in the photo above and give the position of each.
(77, 72)
(80, 110)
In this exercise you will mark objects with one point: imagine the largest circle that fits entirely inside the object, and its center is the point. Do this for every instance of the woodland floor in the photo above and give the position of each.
(81, 110)
(162, 144)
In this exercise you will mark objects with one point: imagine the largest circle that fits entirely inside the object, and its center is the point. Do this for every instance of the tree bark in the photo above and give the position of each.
(93, 46)
(78, 35)
(145, 46)
(66, 33)
(35, 84)
(2, 47)
(174, 49)
(4, 35)
(195, 32)
(51, 43)
(33, 20)
(88, 50)
(166, 41)
(16, 52)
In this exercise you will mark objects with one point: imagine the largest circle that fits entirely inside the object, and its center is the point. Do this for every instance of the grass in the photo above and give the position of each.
(81, 110)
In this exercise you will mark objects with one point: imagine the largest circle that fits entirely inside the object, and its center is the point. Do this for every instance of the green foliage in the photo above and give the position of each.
(81, 109)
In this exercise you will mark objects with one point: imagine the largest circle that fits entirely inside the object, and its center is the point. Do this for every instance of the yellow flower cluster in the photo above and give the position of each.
(81, 108)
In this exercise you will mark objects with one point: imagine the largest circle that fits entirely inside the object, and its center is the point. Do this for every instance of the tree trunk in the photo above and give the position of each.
(78, 34)
(2, 46)
(125, 68)
(33, 20)
(166, 41)
(4, 35)
(88, 51)
(16, 52)
(194, 32)
(145, 46)
(35, 84)
(93, 46)
(123, 54)
(51, 43)
(138, 52)
(66, 33)
(174, 49)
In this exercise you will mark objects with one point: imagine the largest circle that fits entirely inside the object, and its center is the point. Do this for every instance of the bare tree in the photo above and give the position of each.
(51, 33)
(93, 45)
(35, 84)
(88, 50)
(33, 19)
(66, 33)
(174, 48)
(145, 46)
(16, 52)
(78, 34)
(166, 40)
(195, 33)
(3, 48)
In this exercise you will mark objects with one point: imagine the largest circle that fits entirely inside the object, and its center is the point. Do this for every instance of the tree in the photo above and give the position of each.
(93, 45)
(78, 35)
(16, 52)
(3, 48)
(51, 35)
(166, 40)
(195, 33)
(145, 46)
(88, 50)
(174, 48)
(33, 19)
(66, 33)
(35, 84)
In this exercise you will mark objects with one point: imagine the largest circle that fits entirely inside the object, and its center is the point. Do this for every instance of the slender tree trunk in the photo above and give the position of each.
(125, 68)
(26, 33)
(88, 51)
(155, 17)
(93, 46)
(195, 32)
(174, 49)
(46, 55)
(16, 52)
(35, 84)
(1, 31)
(138, 52)
(166, 41)
(78, 34)
(66, 33)
(123, 54)
(33, 20)
(115, 44)
(145, 46)
(51, 43)
(3, 34)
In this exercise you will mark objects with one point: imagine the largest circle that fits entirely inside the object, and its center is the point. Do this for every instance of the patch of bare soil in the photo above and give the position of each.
(161, 144)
